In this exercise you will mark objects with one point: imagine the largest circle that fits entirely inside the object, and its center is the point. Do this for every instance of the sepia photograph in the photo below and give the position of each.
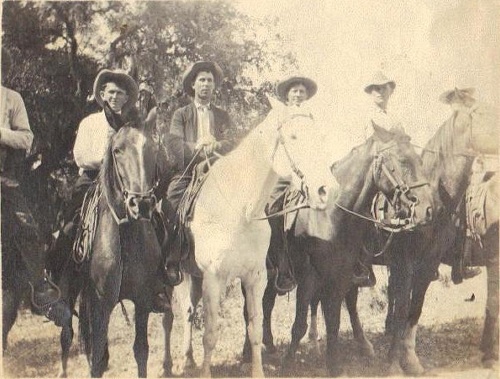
(250, 188)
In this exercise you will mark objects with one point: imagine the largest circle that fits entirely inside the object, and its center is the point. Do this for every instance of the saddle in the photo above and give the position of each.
(89, 218)
(475, 199)
(185, 214)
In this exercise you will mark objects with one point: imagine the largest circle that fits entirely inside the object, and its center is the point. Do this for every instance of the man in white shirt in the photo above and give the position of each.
(120, 92)
(380, 90)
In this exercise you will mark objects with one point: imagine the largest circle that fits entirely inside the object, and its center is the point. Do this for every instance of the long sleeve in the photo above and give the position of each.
(15, 131)
(177, 129)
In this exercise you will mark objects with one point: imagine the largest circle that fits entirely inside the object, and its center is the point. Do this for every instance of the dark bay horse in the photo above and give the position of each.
(125, 254)
(447, 161)
(387, 162)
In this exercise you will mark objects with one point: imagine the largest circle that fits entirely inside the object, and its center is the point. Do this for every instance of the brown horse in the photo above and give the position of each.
(447, 161)
(125, 254)
(387, 162)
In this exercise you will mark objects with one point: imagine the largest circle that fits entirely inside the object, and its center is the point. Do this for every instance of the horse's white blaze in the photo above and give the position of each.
(140, 143)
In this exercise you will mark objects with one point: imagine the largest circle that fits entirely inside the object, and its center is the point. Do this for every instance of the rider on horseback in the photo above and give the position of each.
(293, 91)
(199, 130)
(15, 139)
(380, 88)
(463, 100)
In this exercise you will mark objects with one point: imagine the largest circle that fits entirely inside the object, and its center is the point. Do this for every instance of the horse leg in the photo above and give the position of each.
(401, 275)
(409, 360)
(141, 346)
(167, 322)
(11, 301)
(489, 340)
(364, 345)
(313, 328)
(211, 305)
(254, 288)
(189, 294)
(305, 291)
(268, 301)
(331, 302)
(389, 320)
(99, 320)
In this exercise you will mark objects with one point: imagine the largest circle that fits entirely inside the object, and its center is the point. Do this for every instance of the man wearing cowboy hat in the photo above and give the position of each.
(20, 232)
(462, 100)
(380, 89)
(200, 129)
(120, 92)
(293, 92)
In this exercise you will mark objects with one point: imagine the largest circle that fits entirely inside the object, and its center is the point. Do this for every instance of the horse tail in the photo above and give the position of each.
(84, 317)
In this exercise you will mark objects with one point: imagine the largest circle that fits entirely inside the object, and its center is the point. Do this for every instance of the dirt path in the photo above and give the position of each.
(447, 341)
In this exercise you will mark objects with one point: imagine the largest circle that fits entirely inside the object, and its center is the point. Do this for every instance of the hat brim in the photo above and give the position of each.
(120, 78)
(190, 74)
(369, 88)
(447, 96)
(284, 86)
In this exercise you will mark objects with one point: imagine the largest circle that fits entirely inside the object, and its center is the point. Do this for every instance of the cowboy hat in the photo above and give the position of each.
(120, 78)
(379, 79)
(284, 86)
(448, 96)
(189, 75)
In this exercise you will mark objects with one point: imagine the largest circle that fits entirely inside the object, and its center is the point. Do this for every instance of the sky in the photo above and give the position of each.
(426, 46)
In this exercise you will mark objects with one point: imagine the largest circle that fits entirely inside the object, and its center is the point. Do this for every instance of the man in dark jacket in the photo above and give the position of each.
(200, 128)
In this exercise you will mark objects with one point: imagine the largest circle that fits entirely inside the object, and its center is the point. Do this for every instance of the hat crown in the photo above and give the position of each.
(192, 71)
(121, 77)
(283, 86)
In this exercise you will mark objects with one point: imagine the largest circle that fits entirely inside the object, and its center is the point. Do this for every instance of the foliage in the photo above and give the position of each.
(58, 47)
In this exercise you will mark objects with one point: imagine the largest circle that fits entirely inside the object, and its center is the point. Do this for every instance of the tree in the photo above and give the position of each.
(58, 48)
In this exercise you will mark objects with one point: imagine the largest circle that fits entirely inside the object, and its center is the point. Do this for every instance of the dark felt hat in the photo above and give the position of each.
(122, 79)
(193, 70)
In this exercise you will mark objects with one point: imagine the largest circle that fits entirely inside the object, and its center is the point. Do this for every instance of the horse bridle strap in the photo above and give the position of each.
(400, 228)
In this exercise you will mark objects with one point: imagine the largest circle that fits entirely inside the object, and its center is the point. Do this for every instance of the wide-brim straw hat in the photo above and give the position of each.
(284, 86)
(193, 70)
(379, 79)
(120, 78)
(448, 96)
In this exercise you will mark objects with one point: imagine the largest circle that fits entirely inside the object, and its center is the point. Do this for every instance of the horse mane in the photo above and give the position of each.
(440, 146)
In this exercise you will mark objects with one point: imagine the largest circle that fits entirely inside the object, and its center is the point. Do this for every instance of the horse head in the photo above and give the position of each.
(398, 175)
(298, 153)
(129, 174)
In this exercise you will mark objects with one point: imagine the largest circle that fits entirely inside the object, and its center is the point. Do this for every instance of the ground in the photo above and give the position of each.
(447, 340)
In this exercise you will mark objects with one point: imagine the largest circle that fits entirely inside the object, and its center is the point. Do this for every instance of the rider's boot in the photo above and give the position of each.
(285, 279)
(173, 273)
(363, 275)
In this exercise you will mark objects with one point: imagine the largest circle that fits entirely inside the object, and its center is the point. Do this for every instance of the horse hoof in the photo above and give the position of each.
(62, 375)
(490, 363)
(413, 368)
(366, 350)
(394, 370)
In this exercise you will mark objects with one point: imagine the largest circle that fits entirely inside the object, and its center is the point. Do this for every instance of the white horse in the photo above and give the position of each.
(231, 241)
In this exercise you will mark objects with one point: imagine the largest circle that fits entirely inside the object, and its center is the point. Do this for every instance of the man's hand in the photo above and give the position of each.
(208, 144)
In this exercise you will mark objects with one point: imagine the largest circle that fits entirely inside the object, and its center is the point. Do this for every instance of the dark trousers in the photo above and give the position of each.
(170, 205)
(20, 235)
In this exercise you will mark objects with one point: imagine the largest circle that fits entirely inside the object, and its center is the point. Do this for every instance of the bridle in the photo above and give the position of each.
(401, 188)
(129, 196)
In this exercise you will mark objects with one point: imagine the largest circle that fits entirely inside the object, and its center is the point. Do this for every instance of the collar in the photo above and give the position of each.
(198, 105)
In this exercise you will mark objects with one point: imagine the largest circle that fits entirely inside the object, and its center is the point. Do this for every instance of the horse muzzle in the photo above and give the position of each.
(140, 207)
